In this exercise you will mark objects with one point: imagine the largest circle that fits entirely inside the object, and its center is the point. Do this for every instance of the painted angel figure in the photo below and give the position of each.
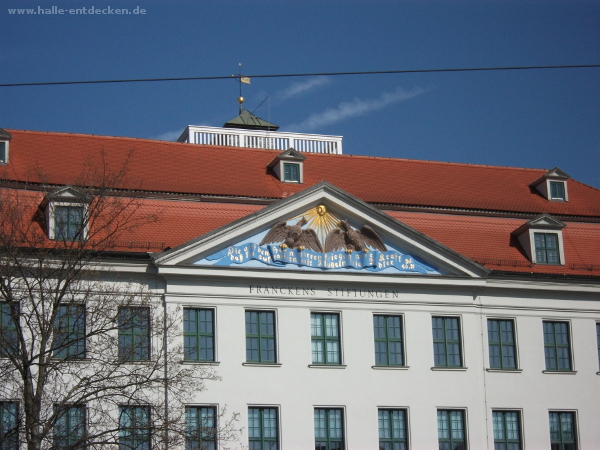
(350, 239)
(293, 236)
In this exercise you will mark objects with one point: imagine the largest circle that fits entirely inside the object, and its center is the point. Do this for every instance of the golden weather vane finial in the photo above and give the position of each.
(241, 79)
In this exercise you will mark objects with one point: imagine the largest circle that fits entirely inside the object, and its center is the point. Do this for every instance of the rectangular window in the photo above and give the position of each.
(198, 335)
(388, 340)
(392, 429)
(3, 151)
(200, 428)
(291, 172)
(557, 190)
(451, 430)
(260, 336)
(501, 341)
(9, 425)
(562, 431)
(507, 430)
(329, 429)
(446, 342)
(557, 347)
(69, 332)
(68, 222)
(134, 334)
(325, 338)
(69, 430)
(9, 336)
(134, 428)
(262, 429)
(546, 248)
(598, 340)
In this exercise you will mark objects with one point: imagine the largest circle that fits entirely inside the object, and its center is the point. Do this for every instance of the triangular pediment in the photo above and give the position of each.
(543, 221)
(321, 229)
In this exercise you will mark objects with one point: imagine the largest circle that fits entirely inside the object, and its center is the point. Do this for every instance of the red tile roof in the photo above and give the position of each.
(229, 171)
(58, 158)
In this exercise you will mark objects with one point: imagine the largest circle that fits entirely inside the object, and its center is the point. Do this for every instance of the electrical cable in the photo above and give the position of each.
(323, 74)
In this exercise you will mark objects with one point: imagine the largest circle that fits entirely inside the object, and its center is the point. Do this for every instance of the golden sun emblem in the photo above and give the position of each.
(321, 220)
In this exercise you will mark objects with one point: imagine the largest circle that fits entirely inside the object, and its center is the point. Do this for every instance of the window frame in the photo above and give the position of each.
(465, 427)
(556, 347)
(445, 342)
(598, 341)
(200, 436)
(325, 339)
(551, 184)
(545, 249)
(15, 429)
(387, 340)
(70, 431)
(506, 440)
(4, 159)
(78, 344)
(199, 335)
(575, 428)
(291, 179)
(5, 318)
(53, 225)
(132, 353)
(394, 439)
(139, 434)
(328, 440)
(502, 345)
(260, 336)
(262, 440)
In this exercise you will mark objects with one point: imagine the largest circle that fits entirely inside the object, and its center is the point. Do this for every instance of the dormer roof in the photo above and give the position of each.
(543, 221)
(5, 135)
(289, 155)
(248, 121)
(554, 174)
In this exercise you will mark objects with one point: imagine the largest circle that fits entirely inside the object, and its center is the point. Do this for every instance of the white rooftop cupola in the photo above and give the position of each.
(553, 185)
(250, 131)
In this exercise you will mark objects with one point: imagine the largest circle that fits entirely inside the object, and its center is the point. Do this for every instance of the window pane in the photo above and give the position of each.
(9, 425)
(198, 334)
(325, 338)
(69, 430)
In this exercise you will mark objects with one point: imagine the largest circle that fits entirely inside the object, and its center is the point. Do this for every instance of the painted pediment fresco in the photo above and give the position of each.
(320, 240)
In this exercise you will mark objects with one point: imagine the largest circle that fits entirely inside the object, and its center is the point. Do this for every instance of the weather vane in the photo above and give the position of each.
(241, 79)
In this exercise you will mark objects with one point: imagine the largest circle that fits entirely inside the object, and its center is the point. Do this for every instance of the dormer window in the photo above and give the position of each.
(542, 240)
(288, 166)
(553, 185)
(5, 138)
(66, 215)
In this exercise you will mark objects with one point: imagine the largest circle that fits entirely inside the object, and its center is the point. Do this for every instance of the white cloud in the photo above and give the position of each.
(298, 88)
(168, 136)
(354, 108)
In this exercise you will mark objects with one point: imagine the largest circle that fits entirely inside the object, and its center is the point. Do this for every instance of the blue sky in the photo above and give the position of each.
(537, 118)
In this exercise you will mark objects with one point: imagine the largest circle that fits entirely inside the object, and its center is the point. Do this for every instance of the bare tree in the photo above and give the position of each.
(88, 357)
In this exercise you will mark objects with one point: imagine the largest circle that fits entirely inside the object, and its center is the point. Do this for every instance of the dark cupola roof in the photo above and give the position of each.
(249, 121)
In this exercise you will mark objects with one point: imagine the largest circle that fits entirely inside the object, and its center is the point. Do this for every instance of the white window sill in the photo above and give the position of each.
(202, 363)
(560, 372)
(390, 367)
(505, 370)
(261, 364)
(327, 366)
(452, 369)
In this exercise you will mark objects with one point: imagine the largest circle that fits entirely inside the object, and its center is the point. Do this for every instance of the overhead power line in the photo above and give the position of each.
(284, 75)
